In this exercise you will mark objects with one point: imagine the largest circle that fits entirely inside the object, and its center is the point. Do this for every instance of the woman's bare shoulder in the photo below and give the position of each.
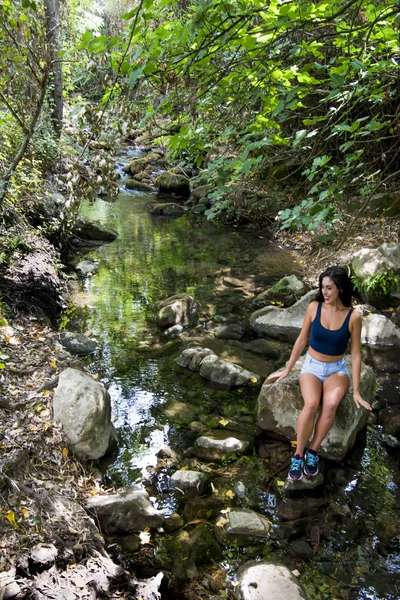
(356, 316)
(312, 308)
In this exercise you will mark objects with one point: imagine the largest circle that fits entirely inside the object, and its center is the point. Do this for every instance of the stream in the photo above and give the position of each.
(159, 408)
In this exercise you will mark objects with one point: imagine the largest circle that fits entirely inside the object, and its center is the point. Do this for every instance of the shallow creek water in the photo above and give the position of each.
(356, 554)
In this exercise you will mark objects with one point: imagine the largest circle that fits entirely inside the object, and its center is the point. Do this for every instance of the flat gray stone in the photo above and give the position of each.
(221, 444)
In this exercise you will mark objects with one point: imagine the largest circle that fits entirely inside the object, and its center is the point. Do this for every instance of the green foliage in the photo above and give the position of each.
(380, 285)
(301, 80)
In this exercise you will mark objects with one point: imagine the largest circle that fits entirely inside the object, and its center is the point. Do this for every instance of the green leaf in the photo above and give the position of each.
(135, 75)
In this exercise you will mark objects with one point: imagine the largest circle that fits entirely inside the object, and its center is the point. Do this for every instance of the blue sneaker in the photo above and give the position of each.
(310, 464)
(296, 468)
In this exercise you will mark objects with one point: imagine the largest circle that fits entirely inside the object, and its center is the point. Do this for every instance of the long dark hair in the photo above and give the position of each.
(342, 281)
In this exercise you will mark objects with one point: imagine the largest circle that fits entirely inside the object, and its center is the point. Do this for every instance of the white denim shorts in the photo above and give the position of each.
(323, 370)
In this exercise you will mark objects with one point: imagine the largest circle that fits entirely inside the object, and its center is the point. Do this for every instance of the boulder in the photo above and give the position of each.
(168, 209)
(138, 164)
(265, 581)
(175, 310)
(222, 444)
(283, 324)
(368, 262)
(82, 407)
(135, 184)
(377, 329)
(87, 267)
(171, 183)
(287, 291)
(128, 510)
(226, 373)
(93, 231)
(230, 331)
(77, 343)
(191, 483)
(191, 358)
(279, 405)
(179, 412)
(241, 527)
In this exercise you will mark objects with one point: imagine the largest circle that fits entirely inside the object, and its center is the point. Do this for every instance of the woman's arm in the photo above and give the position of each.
(355, 329)
(299, 344)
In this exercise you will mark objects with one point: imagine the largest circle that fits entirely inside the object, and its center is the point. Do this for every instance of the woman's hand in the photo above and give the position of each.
(279, 375)
(360, 402)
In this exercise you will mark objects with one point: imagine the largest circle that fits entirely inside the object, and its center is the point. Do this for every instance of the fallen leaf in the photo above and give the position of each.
(213, 489)
(280, 483)
(296, 573)
(144, 537)
(197, 521)
(65, 452)
(25, 512)
(230, 494)
(11, 518)
(221, 522)
(223, 422)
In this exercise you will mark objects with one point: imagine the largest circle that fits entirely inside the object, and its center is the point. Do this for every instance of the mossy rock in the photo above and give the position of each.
(171, 183)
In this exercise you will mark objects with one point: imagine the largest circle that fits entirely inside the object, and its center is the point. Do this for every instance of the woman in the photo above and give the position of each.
(330, 322)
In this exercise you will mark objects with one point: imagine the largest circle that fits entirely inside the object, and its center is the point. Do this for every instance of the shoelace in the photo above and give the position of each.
(297, 463)
(312, 459)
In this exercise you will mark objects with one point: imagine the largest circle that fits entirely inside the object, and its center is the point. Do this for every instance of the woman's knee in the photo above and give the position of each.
(311, 407)
(329, 406)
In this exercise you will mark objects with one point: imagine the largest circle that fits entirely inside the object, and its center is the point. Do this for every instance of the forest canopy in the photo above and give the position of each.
(285, 91)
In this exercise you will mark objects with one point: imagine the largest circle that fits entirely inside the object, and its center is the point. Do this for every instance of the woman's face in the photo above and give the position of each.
(330, 291)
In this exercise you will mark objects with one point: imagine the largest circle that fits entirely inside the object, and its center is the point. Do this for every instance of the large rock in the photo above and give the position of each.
(287, 291)
(129, 510)
(83, 409)
(215, 369)
(168, 209)
(77, 343)
(190, 483)
(283, 324)
(176, 309)
(369, 262)
(279, 405)
(377, 329)
(93, 231)
(87, 267)
(171, 183)
(192, 358)
(220, 445)
(242, 527)
(264, 581)
(226, 373)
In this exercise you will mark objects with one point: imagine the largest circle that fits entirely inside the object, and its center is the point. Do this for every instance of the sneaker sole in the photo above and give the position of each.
(310, 474)
(295, 479)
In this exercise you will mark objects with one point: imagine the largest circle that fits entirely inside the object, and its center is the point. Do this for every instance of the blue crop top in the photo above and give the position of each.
(326, 341)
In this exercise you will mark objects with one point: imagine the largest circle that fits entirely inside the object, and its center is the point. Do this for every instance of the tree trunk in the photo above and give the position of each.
(52, 8)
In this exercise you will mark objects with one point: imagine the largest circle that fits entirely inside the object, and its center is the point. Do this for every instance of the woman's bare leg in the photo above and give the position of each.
(311, 390)
(335, 388)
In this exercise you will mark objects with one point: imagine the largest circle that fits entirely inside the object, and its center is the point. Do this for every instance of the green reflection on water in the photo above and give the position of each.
(154, 258)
